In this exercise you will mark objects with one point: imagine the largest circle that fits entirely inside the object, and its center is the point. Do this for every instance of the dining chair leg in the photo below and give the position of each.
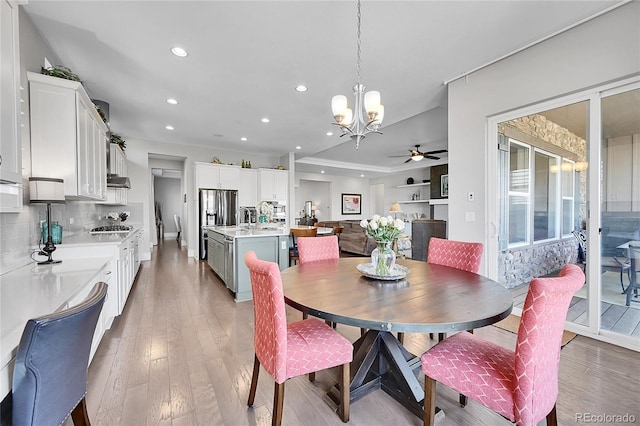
(552, 420)
(442, 336)
(345, 393)
(278, 404)
(462, 399)
(312, 377)
(429, 401)
(79, 415)
(305, 315)
(401, 338)
(254, 381)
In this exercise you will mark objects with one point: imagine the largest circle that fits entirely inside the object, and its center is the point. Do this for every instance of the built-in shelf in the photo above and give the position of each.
(414, 184)
(441, 201)
(413, 201)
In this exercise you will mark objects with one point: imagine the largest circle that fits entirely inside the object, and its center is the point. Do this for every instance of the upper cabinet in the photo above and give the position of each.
(10, 145)
(68, 137)
(273, 185)
(248, 188)
(217, 176)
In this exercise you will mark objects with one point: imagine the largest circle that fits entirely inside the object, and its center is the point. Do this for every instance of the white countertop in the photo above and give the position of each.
(246, 232)
(86, 238)
(35, 290)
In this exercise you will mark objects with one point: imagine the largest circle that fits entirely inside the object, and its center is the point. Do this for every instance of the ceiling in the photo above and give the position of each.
(246, 57)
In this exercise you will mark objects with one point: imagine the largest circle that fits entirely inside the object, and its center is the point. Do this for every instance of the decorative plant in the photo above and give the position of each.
(60, 72)
(117, 139)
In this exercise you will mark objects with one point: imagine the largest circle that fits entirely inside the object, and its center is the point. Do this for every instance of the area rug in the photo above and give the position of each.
(512, 322)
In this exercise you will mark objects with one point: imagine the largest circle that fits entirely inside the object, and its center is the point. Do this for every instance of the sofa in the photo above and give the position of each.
(352, 238)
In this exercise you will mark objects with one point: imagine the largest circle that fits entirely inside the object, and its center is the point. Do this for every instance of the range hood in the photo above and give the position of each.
(115, 181)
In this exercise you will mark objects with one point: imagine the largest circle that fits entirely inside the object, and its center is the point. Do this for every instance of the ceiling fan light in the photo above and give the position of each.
(338, 105)
(417, 157)
(371, 101)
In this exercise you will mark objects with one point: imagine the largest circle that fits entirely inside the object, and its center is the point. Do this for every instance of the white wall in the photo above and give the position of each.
(319, 193)
(393, 194)
(604, 49)
(168, 193)
(339, 185)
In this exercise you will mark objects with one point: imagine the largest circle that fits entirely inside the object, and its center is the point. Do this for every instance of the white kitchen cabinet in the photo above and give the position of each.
(10, 145)
(68, 137)
(118, 162)
(217, 176)
(273, 185)
(123, 268)
(248, 188)
(106, 314)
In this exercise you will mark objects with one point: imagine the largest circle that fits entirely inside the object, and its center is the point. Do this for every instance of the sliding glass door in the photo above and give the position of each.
(568, 190)
(619, 208)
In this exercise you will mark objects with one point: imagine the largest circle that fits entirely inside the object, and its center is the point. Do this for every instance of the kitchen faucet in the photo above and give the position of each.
(238, 214)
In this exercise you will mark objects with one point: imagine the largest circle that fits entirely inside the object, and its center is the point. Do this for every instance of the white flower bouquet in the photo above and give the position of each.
(383, 229)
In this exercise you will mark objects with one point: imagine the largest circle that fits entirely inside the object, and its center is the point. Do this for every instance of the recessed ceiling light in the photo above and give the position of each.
(168, 127)
(179, 51)
(361, 175)
(329, 133)
(172, 101)
(298, 147)
(243, 139)
(265, 120)
(321, 171)
(301, 88)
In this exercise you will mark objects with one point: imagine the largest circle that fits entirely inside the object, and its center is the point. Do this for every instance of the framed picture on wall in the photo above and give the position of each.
(444, 185)
(351, 204)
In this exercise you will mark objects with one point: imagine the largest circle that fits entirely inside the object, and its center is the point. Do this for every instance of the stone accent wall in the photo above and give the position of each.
(519, 266)
(538, 126)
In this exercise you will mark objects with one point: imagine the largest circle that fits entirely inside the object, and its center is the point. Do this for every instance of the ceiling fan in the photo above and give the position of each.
(417, 155)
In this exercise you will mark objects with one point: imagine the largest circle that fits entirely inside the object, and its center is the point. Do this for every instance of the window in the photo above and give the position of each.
(541, 195)
(519, 171)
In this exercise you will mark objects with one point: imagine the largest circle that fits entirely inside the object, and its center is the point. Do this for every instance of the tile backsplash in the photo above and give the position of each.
(19, 232)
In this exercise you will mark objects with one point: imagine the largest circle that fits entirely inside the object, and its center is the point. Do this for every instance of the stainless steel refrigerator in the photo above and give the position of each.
(218, 207)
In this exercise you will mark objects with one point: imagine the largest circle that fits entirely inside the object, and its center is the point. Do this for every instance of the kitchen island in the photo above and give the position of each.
(229, 244)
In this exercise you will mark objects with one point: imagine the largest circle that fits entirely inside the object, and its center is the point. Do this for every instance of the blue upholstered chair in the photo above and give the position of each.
(50, 374)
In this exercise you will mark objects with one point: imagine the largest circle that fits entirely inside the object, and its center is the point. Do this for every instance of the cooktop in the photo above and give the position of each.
(111, 229)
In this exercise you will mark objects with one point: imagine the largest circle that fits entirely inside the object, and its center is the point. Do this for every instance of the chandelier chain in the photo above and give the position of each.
(359, 48)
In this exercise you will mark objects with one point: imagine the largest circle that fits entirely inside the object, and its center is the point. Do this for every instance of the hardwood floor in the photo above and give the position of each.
(182, 353)
(614, 317)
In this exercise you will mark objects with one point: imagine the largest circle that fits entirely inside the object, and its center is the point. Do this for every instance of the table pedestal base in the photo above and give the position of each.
(381, 362)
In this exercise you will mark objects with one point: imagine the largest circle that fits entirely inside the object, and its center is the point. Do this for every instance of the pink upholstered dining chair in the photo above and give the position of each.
(457, 254)
(289, 350)
(311, 249)
(521, 385)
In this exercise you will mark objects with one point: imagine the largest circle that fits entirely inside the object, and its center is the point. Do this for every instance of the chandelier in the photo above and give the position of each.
(367, 115)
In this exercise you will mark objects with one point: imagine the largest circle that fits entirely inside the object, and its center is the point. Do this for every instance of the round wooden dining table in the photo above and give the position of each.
(430, 299)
